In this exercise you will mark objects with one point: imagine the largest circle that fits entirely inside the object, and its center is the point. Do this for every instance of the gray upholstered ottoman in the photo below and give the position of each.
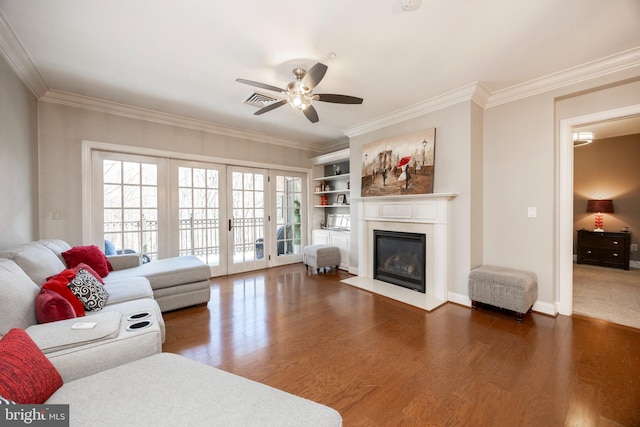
(508, 288)
(320, 256)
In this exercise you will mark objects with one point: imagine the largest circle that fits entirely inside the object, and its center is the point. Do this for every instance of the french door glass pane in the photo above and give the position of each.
(130, 200)
(288, 214)
(248, 216)
(199, 213)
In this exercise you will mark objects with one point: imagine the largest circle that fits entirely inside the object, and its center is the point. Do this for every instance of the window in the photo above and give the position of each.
(199, 213)
(288, 214)
(248, 214)
(130, 197)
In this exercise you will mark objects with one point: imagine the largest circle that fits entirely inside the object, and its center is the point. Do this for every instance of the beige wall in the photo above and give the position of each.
(18, 160)
(518, 174)
(609, 169)
(63, 128)
(520, 152)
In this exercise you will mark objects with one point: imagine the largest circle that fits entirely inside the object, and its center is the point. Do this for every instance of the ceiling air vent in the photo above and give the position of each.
(259, 100)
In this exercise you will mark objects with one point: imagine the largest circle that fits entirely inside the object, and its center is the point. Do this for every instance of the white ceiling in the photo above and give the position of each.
(182, 57)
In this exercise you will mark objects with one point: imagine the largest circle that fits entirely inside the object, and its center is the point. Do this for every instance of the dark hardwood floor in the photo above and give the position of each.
(383, 363)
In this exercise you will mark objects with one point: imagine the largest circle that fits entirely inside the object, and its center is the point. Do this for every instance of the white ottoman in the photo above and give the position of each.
(320, 256)
(515, 290)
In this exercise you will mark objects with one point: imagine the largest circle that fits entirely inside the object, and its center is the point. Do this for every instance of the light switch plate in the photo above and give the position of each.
(532, 212)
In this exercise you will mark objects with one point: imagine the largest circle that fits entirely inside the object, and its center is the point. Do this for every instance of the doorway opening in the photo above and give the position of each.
(565, 219)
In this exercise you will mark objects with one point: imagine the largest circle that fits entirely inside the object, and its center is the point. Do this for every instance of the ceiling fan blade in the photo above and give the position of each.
(260, 85)
(270, 107)
(311, 114)
(338, 99)
(314, 75)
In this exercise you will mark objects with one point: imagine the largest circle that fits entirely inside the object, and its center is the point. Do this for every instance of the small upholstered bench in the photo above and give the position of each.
(507, 288)
(321, 256)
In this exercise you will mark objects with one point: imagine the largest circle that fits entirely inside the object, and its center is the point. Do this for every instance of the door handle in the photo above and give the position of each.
(230, 226)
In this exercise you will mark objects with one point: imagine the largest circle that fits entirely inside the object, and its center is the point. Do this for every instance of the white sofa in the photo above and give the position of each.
(110, 343)
(169, 390)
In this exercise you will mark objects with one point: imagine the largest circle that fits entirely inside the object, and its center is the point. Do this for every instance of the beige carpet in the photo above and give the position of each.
(607, 293)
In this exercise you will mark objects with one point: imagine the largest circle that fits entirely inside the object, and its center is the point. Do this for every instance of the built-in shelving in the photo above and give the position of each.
(339, 183)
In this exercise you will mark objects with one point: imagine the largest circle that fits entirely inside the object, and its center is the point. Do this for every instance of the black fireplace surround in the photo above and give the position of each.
(399, 258)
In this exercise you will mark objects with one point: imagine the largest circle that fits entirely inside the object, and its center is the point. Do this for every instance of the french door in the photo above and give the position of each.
(200, 204)
(247, 223)
(287, 227)
(234, 219)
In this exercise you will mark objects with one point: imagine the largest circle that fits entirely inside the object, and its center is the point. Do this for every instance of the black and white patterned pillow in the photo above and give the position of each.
(88, 290)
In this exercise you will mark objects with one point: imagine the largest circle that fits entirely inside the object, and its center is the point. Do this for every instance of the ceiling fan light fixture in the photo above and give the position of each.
(299, 94)
(299, 101)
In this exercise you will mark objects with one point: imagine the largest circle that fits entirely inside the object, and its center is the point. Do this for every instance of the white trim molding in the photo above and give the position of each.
(564, 201)
(591, 70)
(473, 92)
(74, 100)
(19, 60)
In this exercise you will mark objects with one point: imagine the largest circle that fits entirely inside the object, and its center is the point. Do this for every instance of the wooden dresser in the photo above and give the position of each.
(604, 248)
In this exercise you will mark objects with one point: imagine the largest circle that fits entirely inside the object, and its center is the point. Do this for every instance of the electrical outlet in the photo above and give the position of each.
(634, 247)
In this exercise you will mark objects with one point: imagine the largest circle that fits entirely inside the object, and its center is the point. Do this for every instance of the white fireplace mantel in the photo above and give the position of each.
(425, 213)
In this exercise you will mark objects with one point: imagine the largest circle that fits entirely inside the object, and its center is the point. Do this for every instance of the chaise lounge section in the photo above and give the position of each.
(177, 282)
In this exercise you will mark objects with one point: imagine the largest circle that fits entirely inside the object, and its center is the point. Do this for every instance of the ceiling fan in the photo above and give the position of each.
(299, 92)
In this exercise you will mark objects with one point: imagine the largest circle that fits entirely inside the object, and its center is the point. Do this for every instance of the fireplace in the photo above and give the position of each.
(425, 214)
(399, 258)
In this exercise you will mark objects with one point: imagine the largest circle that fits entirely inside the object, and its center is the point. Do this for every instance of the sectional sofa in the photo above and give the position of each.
(112, 372)
(110, 343)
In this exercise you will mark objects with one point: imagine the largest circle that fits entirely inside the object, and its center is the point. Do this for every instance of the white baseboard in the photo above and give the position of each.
(459, 299)
(545, 308)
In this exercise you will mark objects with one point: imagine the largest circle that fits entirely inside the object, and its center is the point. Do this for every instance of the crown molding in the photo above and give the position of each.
(336, 145)
(79, 101)
(479, 94)
(608, 65)
(19, 60)
(475, 92)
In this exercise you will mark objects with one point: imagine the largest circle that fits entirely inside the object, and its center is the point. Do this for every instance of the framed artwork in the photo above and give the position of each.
(400, 165)
(342, 199)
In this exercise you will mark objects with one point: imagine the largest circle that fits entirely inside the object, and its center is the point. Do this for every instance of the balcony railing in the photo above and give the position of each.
(199, 237)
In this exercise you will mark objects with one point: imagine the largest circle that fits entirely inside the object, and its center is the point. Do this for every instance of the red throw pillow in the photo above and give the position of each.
(58, 284)
(90, 255)
(26, 375)
(51, 307)
(90, 270)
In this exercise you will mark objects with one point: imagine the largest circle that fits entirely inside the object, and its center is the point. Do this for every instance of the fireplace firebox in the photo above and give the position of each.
(399, 258)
